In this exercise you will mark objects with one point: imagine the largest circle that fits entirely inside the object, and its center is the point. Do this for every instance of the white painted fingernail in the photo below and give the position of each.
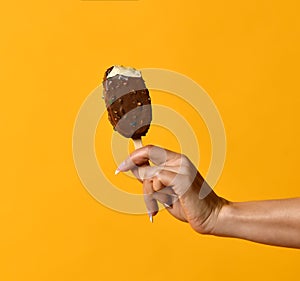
(120, 168)
(166, 205)
(150, 217)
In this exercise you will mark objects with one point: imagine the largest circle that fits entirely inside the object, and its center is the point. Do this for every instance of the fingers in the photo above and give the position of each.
(145, 172)
(167, 181)
(179, 183)
(150, 202)
(166, 196)
(160, 179)
(137, 174)
(163, 178)
(141, 156)
(162, 188)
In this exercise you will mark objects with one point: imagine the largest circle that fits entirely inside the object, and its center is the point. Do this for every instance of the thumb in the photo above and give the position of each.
(139, 157)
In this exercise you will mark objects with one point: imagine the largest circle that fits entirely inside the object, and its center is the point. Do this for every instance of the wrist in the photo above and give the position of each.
(219, 212)
(223, 218)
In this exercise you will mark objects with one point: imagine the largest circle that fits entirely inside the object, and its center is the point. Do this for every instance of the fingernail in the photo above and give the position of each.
(167, 206)
(119, 168)
(150, 217)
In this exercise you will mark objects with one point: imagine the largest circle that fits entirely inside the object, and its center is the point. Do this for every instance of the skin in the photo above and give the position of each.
(175, 182)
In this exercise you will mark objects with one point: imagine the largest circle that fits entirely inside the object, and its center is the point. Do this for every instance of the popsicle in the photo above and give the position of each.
(129, 109)
(128, 102)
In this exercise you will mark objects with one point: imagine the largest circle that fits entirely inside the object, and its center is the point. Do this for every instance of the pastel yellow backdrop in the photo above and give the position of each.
(245, 54)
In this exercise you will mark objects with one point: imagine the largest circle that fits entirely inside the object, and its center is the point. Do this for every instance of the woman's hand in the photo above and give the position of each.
(175, 182)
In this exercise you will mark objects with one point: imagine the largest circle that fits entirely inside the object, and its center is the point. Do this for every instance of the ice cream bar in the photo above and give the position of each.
(127, 101)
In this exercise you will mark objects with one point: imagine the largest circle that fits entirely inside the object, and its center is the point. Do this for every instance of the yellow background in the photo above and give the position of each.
(245, 54)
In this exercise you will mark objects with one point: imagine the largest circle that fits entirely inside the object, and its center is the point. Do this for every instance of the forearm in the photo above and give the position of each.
(273, 222)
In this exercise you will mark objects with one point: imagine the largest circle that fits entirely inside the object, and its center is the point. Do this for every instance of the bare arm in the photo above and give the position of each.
(273, 222)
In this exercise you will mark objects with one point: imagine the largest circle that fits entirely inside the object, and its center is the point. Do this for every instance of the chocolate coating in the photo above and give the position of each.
(128, 104)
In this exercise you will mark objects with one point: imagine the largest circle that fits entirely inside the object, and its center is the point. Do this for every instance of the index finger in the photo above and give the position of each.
(141, 156)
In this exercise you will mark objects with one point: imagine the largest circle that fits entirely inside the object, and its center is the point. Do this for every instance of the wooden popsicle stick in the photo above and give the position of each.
(138, 143)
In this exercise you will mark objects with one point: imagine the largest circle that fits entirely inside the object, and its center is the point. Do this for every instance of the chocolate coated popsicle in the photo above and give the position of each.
(127, 101)
(129, 108)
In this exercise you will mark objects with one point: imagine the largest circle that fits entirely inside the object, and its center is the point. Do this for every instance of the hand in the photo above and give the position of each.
(175, 182)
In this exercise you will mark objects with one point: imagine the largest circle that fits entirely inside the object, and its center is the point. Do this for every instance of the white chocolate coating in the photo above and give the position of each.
(126, 71)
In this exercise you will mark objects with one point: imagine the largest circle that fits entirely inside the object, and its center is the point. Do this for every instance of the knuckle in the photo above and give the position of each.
(184, 159)
(149, 147)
